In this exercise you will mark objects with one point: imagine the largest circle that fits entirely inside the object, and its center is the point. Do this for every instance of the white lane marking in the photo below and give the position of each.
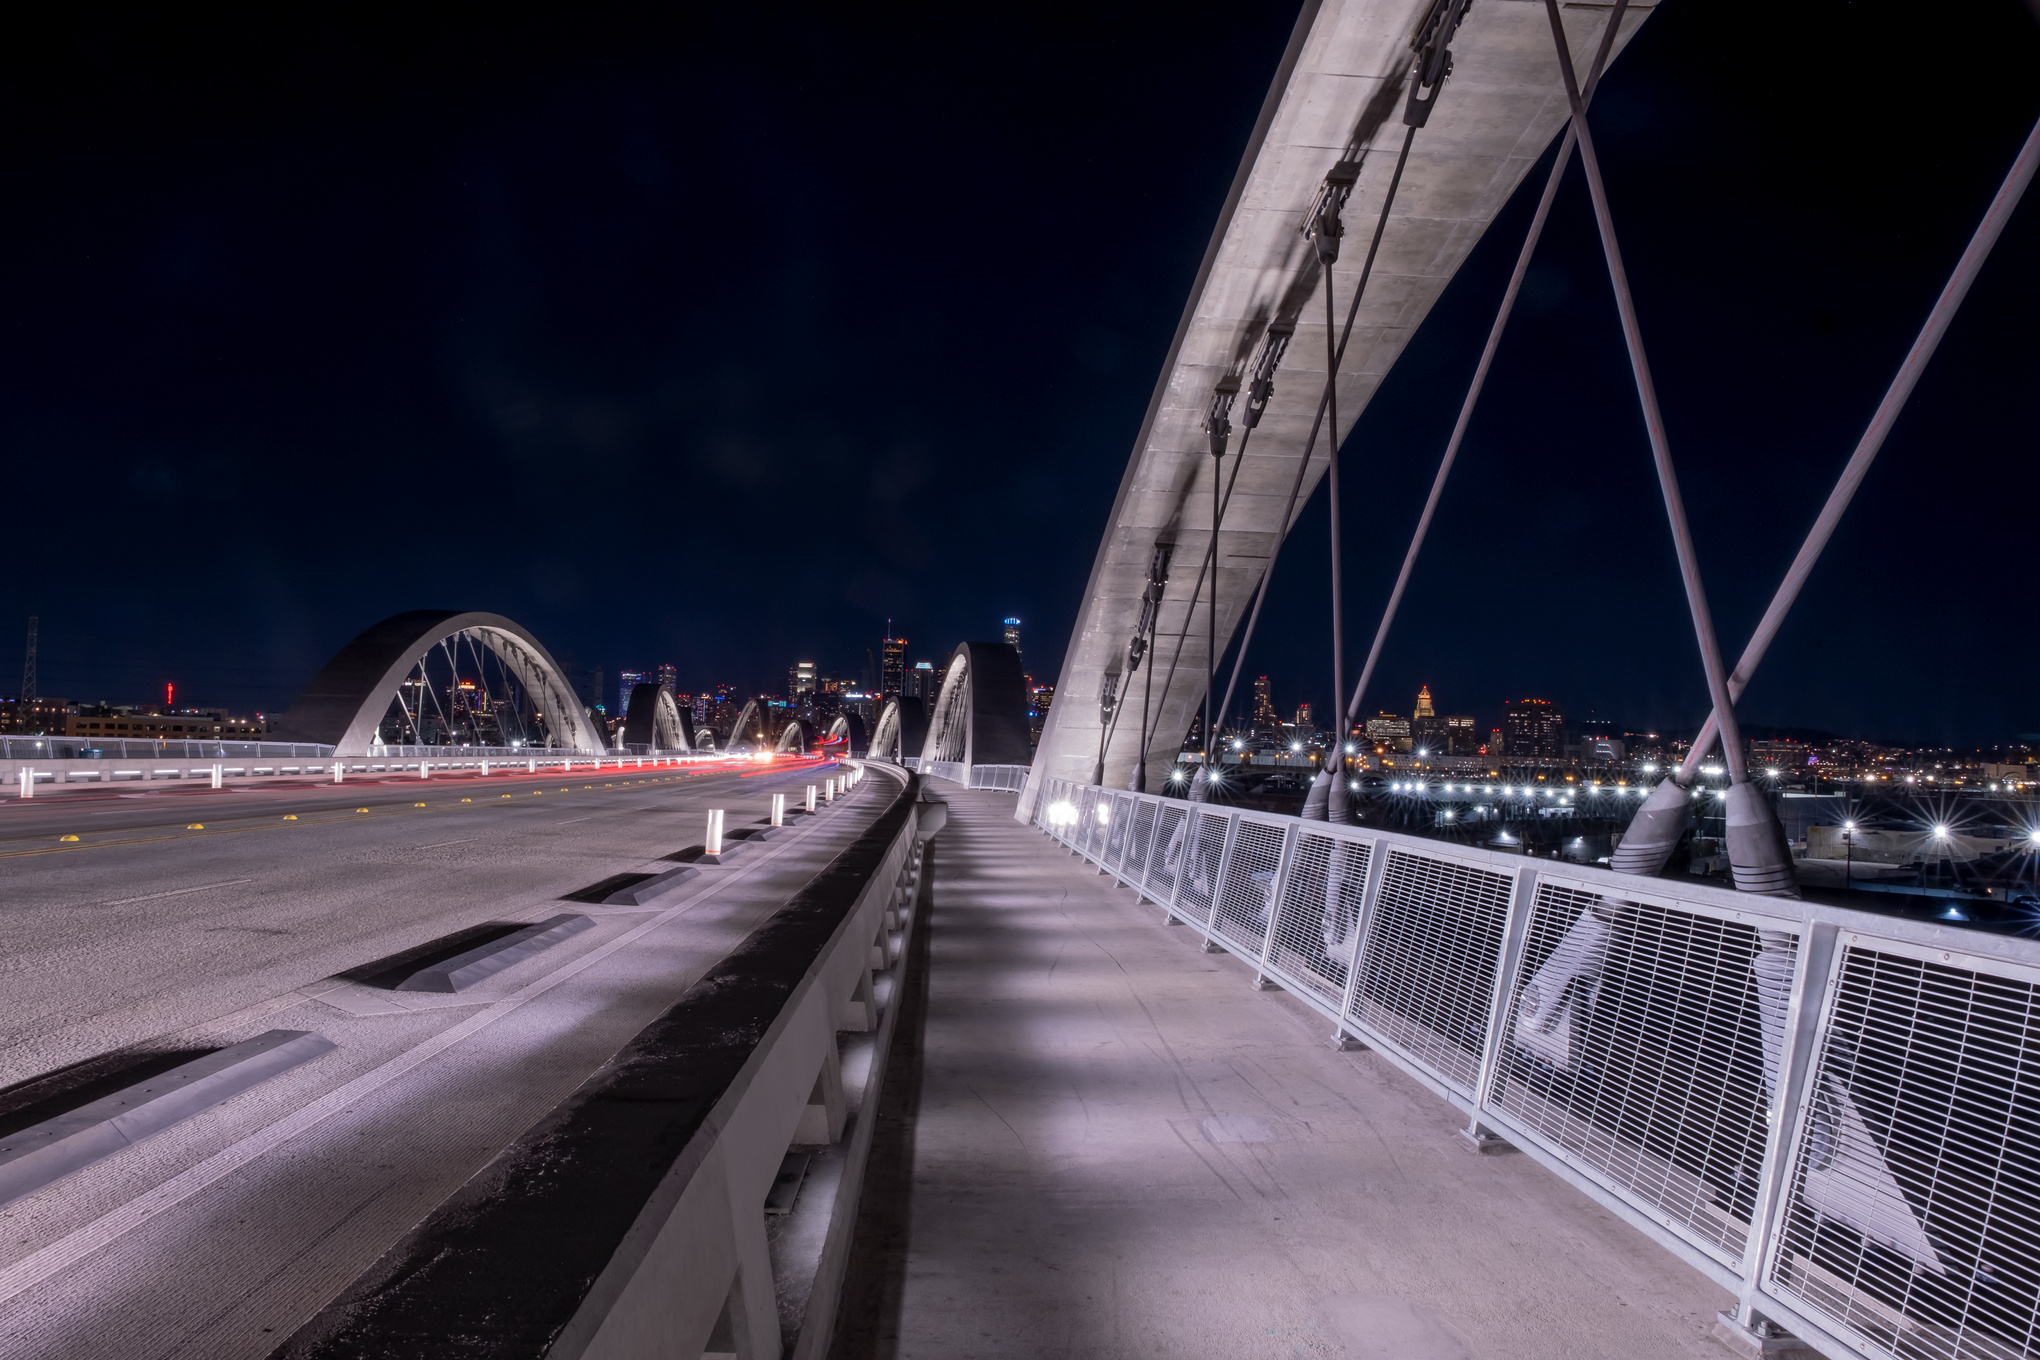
(571, 820)
(109, 1227)
(440, 845)
(176, 892)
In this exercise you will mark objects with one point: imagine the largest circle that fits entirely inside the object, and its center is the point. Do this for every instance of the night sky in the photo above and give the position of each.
(719, 339)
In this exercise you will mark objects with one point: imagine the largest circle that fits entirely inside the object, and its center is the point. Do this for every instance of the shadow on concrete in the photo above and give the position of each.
(868, 1315)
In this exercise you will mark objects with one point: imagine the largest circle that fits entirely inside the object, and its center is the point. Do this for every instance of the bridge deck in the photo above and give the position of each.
(1098, 1141)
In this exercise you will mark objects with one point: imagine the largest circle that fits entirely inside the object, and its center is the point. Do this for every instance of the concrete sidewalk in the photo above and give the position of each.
(1096, 1140)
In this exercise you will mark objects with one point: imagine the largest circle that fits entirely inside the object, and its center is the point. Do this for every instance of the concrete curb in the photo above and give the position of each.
(485, 961)
(47, 1152)
(651, 890)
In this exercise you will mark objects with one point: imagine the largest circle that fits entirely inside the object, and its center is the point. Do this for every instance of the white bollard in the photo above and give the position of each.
(810, 798)
(712, 844)
(424, 769)
(779, 809)
(339, 773)
(829, 791)
(531, 765)
(219, 775)
(27, 782)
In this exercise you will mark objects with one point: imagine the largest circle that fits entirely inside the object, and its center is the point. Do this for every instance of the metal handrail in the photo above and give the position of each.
(1826, 1111)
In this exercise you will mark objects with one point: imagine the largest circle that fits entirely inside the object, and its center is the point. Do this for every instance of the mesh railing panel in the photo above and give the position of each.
(1427, 964)
(1087, 820)
(1635, 1045)
(1314, 930)
(1115, 832)
(1912, 1217)
(1134, 867)
(1245, 899)
(1200, 875)
(1165, 860)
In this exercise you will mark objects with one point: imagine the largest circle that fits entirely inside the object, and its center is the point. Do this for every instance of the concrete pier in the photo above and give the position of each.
(1097, 1140)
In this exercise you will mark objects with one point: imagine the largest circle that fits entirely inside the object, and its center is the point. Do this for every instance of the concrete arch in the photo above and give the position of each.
(654, 720)
(848, 728)
(902, 730)
(750, 727)
(980, 717)
(798, 736)
(343, 705)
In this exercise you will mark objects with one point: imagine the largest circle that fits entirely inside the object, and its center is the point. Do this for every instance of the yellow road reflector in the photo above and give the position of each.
(506, 795)
(67, 838)
(196, 826)
(470, 800)
(290, 816)
(361, 809)
(417, 805)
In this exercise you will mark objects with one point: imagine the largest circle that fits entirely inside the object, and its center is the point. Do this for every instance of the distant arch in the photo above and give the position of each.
(798, 736)
(653, 719)
(848, 728)
(980, 717)
(902, 730)
(345, 703)
(750, 727)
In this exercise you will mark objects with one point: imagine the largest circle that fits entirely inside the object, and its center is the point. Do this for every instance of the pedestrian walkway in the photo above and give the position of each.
(1096, 1140)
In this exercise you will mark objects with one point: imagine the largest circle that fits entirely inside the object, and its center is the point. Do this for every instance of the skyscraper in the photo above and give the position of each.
(1427, 729)
(1013, 634)
(1534, 729)
(626, 681)
(800, 680)
(1460, 737)
(669, 678)
(920, 683)
(1264, 707)
(893, 668)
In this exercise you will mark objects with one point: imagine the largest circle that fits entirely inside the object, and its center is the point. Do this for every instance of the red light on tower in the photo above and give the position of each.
(169, 696)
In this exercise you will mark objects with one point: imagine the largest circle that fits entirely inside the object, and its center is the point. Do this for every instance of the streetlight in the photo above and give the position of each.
(1848, 854)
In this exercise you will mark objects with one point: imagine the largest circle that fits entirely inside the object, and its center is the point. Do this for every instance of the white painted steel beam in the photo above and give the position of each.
(1337, 95)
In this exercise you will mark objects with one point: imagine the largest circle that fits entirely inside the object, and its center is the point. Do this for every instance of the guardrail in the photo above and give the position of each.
(632, 1220)
(26, 776)
(1834, 1115)
(1000, 778)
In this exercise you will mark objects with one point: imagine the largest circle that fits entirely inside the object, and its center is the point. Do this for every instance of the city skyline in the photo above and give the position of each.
(141, 246)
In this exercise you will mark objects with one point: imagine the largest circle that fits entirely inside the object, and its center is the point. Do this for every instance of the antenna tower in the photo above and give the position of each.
(28, 694)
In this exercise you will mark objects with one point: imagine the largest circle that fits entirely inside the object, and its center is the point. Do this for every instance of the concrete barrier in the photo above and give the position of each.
(485, 961)
(631, 1221)
(47, 1152)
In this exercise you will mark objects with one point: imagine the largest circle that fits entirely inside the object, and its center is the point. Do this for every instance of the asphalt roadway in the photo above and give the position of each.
(183, 920)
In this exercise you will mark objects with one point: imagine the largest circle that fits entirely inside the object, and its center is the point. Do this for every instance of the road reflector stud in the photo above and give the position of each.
(290, 816)
(67, 838)
(196, 826)
(467, 800)
(417, 805)
(361, 809)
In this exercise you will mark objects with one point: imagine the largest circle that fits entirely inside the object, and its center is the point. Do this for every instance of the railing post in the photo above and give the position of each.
(1812, 985)
(1292, 841)
(1515, 928)
(1377, 868)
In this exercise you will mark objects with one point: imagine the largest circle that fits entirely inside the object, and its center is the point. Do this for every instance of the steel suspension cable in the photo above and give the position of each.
(1310, 443)
(1653, 417)
(1480, 371)
(1881, 421)
(1189, 614)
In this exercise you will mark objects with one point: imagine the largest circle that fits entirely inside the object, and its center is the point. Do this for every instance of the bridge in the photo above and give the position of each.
(437, 1026)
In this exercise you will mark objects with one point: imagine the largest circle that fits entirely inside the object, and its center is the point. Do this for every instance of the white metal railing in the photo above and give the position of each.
(1833, 1114)
(999, 778)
